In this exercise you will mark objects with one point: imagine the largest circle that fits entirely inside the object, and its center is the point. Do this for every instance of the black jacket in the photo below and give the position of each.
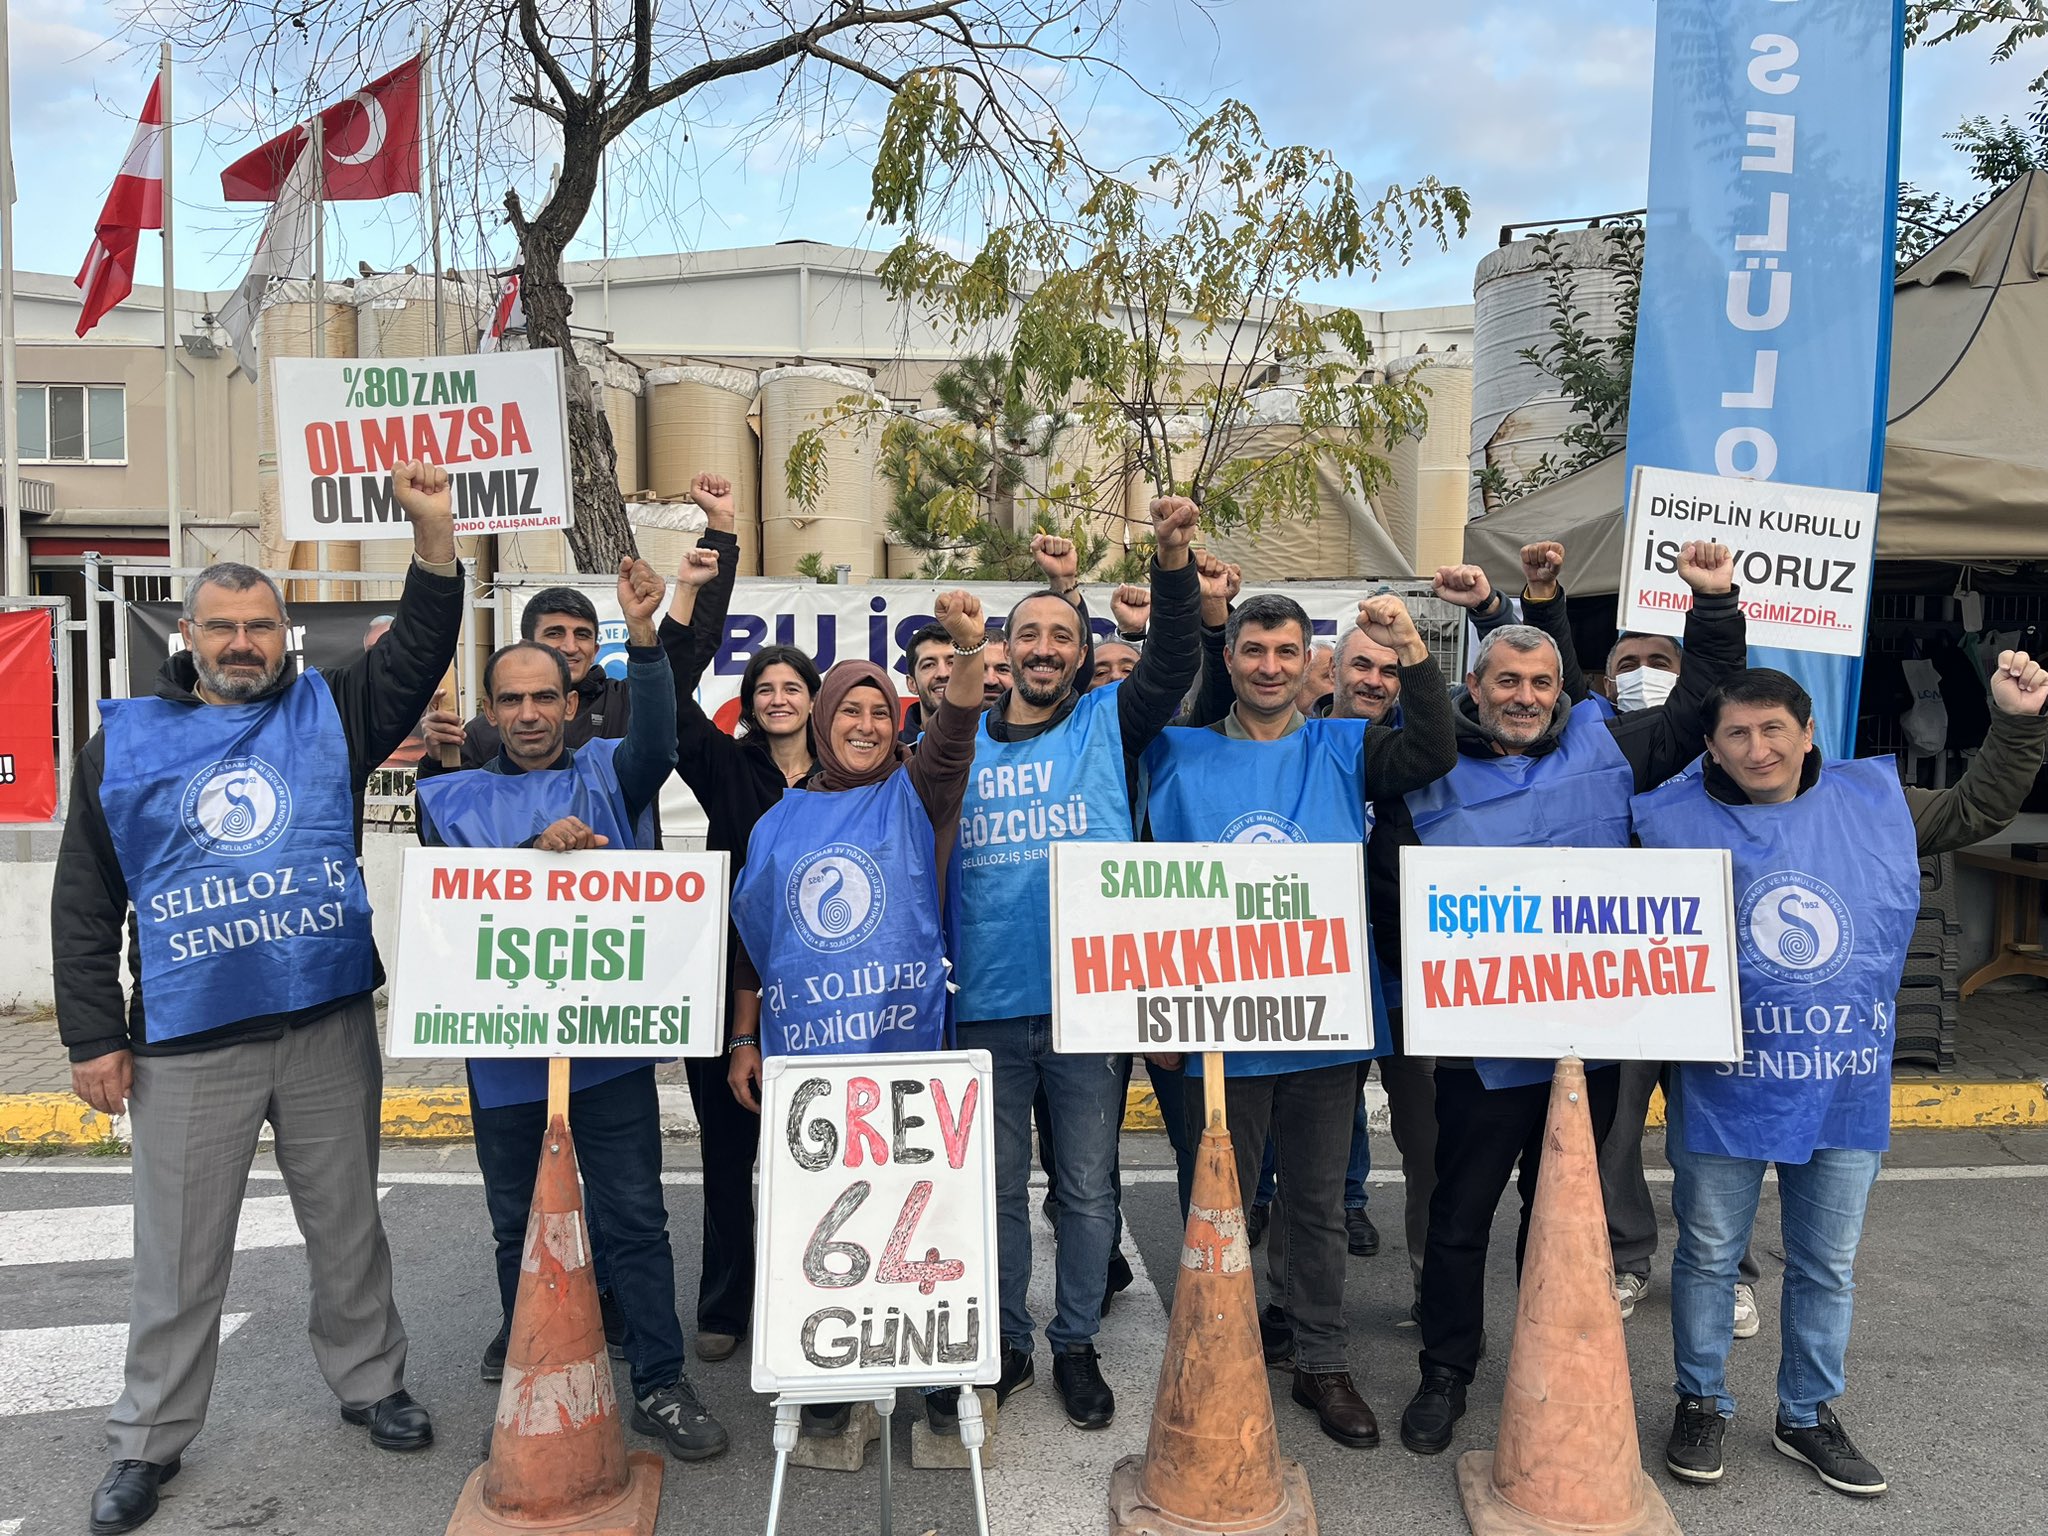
(1656, 742)
(380, 698)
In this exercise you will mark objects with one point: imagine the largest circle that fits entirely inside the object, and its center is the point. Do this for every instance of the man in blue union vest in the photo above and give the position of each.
(220, 819)
(1265, 774)
(1533, 771)
(1827, 889)
(1051, 763)
(540, 793)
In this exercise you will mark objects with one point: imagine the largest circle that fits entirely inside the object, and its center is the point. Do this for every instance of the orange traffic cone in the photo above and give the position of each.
(1568, 1458)
(558, 1452)
(1212, 1462)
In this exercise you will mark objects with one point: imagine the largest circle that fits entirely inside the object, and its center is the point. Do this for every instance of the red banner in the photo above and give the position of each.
(28, 696)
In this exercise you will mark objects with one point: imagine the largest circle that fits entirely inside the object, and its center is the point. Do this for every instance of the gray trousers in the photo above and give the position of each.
(1631, 1218)
(1309, 1115)
(195, 1120)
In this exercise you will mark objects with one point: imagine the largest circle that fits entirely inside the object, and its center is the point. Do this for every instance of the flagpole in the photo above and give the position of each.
(319, 148)
(433, 182)
(174, 521)
(10, 455)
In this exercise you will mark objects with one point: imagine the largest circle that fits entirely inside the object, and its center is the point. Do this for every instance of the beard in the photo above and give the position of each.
(1503, 730)
(1036, 697)
(237, 689)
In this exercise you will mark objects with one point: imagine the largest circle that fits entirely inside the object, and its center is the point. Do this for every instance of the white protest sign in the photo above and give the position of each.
(876, 1248)
(1209, 947)
(1802, 556)
(505, 952)
(497, 423)
(1610, 954)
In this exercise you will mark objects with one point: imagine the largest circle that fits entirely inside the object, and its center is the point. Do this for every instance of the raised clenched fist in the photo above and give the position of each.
(1058, 558)
(1542, 569)
(1706, 567)
(1385, 620)
(1462, 586)
(699, 567)
(2020, 685)
(1173, 529)
(712, 495)
(960, 612)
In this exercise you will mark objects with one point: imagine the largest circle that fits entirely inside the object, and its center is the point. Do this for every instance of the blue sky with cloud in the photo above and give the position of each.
(1538, 108)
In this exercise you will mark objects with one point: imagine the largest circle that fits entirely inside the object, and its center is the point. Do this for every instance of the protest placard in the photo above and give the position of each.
(876, 1248)
(1611, 954)
(1255, 946)
(497, 423)
(506, 952)
(1802, 556)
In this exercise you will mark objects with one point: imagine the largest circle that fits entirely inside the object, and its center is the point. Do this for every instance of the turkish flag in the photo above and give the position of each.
(28, 741)
(372, 143)
(134, 203)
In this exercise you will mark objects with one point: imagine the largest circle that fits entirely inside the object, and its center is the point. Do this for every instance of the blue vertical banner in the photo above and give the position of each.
(1763, 341)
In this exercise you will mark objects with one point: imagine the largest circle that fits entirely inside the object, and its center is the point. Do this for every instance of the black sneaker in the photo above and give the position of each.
(614, 1318)
(677, 1417)
(1432, 1413)
(493, 1367)
(942, 1411)
(1361, 1236)
(1694, 1450)
(1256, 1220)
(1120, 1278)
(1276, 1337)
(823, 1421)
(1827, 1449)
(1017, 1373)
(1077, 1375)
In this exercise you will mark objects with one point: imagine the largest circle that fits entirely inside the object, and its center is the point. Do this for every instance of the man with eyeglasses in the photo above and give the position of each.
(220, 822)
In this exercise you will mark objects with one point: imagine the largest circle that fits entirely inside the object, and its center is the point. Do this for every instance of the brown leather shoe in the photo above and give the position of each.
(1345, 1416)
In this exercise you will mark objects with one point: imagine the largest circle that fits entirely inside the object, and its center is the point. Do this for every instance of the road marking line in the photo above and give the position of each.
(53, 1370)
(84, 1234)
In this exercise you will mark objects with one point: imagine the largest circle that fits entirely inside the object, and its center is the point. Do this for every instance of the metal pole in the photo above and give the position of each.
(174, 520)
(319, 149)
(15, 555)
(433, 183)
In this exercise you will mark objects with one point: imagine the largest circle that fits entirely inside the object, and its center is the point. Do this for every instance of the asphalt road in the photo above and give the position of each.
(1945, 1372)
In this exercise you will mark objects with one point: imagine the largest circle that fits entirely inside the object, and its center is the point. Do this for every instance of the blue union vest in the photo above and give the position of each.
(234, 827)
(480, 809)
(1066, 784)
(838, 905)
(1576, 796)
(1827, 889)
(1307, 787)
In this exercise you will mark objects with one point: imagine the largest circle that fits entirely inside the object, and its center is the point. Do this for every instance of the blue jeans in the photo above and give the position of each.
(616, 1127)
(1086, 1094)
(1821, 1205)
(1355, 1172)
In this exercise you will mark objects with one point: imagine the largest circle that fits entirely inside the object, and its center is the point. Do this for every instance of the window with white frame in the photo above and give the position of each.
(72, 423)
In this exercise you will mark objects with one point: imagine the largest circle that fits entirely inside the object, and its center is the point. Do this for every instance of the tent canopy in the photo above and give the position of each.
(1966, 445)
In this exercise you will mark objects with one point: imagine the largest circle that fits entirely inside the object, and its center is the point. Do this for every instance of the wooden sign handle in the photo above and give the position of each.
(558, 1088)
(1212, 1090)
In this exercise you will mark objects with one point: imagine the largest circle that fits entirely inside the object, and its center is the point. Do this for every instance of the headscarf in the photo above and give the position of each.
(841, 680)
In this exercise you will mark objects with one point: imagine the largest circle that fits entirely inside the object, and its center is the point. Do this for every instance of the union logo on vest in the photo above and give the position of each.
(238, 806)
(1263, 827)
(1794, 928)
(836, 897)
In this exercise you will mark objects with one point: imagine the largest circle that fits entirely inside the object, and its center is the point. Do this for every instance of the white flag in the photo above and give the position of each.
(284, 250)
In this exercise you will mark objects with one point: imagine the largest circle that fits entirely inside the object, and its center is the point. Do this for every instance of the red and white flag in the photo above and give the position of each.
(135, 203)
(509, 314)
(371, 141)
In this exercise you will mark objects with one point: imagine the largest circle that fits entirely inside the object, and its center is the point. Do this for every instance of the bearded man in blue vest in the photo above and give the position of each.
(1827, 890)
(1534, 771)
(538, 792)
(220, 820)
(1053, 763)
(1263, 773)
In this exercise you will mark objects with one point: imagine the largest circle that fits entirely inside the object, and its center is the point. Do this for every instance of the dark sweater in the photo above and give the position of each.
(379, 696)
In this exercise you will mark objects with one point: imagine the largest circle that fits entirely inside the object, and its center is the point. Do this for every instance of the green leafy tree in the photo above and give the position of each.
(2000, 152)
(1133, 301)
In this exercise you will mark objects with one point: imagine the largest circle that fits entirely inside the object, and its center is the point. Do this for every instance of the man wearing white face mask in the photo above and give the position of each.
(1642, 669)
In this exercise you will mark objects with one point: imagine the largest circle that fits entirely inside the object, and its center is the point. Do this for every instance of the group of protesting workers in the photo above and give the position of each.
(218, 824)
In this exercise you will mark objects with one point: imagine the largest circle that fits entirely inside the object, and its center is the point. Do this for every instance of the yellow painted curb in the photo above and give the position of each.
(1930, 1104)
(1141, 1108)
(426, 1114)
(51, 1119)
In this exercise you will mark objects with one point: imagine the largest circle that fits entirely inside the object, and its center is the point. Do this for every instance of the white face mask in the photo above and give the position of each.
(1644, 688)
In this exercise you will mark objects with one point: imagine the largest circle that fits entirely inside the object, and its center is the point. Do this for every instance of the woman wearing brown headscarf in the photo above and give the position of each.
(839, 910)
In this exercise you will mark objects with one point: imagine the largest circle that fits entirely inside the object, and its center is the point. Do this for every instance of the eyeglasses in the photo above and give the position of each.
(226, 629)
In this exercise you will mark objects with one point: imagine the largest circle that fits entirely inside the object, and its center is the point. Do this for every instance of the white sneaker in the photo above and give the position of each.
(1747, 1319)
(1630, 1289)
